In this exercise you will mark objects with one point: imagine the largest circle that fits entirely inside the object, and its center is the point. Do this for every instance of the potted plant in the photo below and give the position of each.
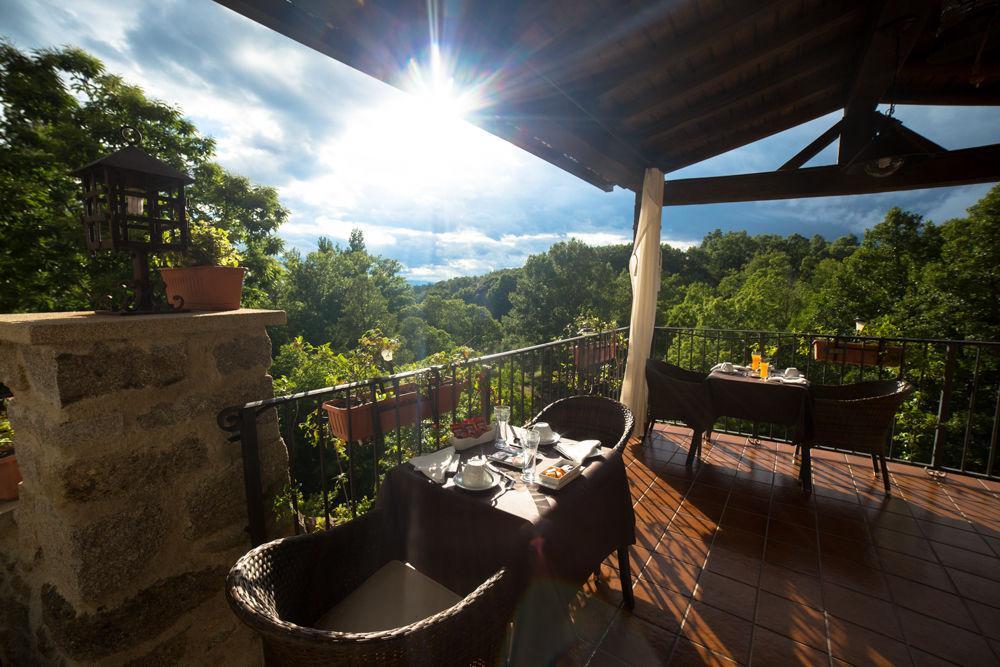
(10, 473)
(595, 351)
(208, 275)
(857, 353)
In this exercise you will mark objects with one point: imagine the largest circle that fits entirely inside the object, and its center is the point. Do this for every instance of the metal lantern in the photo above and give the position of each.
(134, 203)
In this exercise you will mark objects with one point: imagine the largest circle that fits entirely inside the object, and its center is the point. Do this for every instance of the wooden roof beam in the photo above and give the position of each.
(960, 167)
(813, 149)
(893, 33)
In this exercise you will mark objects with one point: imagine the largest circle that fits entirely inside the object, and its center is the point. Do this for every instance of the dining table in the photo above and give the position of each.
(746, 396)
(554, 540)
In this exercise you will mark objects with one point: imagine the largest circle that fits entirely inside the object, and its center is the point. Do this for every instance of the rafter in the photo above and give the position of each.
(814, 147)
(961, 167)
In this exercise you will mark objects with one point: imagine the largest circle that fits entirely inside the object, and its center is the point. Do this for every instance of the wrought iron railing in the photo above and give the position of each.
(342, 439)
(950, 423)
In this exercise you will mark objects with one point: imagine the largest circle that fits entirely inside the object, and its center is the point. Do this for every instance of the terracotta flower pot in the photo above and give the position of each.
(594, 353)
(448, 395)
(857, 354)
(10, 476)
(356, 424)
(205, 287)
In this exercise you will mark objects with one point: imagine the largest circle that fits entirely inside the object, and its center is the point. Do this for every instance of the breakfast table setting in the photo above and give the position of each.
(470, 508)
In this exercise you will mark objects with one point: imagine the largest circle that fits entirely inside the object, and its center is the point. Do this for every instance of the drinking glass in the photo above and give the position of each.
(529, 448)
(763, 369)
(754, 362)
(502, 413)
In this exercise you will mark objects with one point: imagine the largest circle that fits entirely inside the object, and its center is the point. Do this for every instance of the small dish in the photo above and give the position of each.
(494, 480)
(546, 443)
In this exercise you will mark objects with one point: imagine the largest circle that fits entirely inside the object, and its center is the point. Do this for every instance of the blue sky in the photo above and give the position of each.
(442, 197)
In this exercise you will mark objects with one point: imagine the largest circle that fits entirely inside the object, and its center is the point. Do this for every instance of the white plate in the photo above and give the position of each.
(494, 480)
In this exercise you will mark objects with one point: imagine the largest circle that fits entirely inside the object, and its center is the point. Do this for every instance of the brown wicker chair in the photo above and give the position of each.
(279, 589)
(677, 394)
(585, 417)
(856, 417)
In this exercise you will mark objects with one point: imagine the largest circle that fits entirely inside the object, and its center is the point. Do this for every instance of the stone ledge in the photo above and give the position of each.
(88, 326)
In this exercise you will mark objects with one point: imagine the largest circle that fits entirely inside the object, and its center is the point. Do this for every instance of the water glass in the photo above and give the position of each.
(502, 414)
(529, 448)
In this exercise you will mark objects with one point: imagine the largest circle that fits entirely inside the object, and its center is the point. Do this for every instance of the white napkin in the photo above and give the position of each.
(435, 465)
(578, 451)
(784, 380)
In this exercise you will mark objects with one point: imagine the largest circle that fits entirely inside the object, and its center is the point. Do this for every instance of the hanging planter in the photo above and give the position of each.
(447, 395)
(356, 423)
(589, 354)
(857, 354)
(10, 474)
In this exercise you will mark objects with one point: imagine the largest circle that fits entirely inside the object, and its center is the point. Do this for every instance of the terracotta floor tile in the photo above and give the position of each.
(658, 605)
(740, 541)
(922, 659)
(692, 550)
(637, 642)
(840, 508)
(743, 520)
(915, 569)
(792, 557)
(749, 502)
(796, 621)
(907, 544)
(854, 575)
(851, 529)
(884, 503)
(734, 565)
(803, 537)
(727, 594)
(771, 649)
(945, 641)
(860, 609)
(802, 516)
(703, 509)
(685, 524)
(718, 630)
(591, 616)
(647, 535)
(897, 522)
(852, 550)
(956, 537)
(930, 601)
(745, 487)
(968, 561)
(795, 586)
(671, 573)
(708, 492)
(974, 587)
(862, 647)
(987, 618)
(605, 659)
(690, 654)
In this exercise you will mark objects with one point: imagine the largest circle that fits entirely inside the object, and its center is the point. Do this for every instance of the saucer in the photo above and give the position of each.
(494, 479)
(555, 438)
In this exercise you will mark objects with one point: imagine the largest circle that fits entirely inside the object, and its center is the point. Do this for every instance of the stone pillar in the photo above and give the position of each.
(132, 507)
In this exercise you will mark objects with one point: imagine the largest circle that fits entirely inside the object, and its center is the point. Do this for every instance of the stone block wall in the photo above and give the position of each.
(132, 507)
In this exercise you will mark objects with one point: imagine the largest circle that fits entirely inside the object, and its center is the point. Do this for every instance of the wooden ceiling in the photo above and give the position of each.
(606, 88)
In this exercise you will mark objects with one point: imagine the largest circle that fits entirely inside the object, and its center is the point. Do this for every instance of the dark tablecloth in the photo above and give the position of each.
(755, 400)
(553, 539)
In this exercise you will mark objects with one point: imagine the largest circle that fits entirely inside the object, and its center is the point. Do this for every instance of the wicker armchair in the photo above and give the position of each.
(584, 417)
(855, 417)
(676, 394)
(279, 589)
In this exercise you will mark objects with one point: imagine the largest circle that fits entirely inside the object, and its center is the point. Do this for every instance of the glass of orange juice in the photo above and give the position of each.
(763, 369)
(754, 362)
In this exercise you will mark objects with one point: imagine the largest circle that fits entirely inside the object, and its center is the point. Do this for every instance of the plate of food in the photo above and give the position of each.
(560, 473)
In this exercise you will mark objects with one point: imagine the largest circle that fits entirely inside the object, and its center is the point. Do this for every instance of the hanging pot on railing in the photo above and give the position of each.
(857, 354)
(356, 423)
(590, 353)
(10, 474)
(447, 394)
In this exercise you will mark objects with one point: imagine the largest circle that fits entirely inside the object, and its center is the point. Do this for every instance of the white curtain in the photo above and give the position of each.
(645, 269)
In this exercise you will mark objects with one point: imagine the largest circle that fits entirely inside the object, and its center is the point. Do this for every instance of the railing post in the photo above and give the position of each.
(251, 475)
(944, 407)
(484, 393)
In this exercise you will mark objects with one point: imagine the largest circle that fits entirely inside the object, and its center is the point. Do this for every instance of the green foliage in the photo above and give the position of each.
(209, 246)
(61, 110)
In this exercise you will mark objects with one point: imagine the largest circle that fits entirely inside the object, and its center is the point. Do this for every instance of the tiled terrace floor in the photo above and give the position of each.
(735, 564)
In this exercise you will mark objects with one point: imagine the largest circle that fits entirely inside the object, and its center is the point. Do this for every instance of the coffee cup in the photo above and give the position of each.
(791, 373)
(474, 472)
(727, 367)
(545, 432)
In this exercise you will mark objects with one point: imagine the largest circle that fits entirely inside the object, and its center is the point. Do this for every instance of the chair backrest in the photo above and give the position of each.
(678, 394)
(583, 417)
(856, 416)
